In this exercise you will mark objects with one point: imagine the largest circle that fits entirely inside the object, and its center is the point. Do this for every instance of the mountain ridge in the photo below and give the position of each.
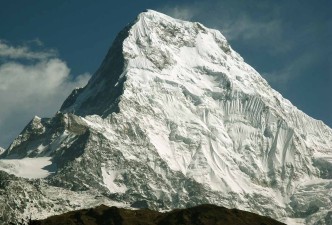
(202, 214)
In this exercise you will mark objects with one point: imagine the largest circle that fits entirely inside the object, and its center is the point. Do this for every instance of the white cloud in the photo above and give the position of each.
(24, 52)
(37, 88)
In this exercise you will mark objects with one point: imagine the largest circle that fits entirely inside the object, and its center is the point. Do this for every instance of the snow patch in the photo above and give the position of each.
(28, 167)
(109, 177)
(2, 150)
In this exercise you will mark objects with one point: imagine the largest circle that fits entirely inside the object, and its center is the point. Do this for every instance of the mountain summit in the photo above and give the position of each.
(173, 118)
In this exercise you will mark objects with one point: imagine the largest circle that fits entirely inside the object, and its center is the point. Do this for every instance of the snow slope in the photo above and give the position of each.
(173, 118)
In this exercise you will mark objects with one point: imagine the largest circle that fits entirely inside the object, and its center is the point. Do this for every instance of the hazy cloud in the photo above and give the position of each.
(246, 28)
(294, 69)
(235, 22)
(183, 13)
(36, 42)
(35, 88)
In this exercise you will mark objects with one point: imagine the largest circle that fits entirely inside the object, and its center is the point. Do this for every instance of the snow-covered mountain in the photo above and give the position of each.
(173, 118)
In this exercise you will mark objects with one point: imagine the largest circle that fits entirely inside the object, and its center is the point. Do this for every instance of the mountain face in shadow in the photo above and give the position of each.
(199, 215)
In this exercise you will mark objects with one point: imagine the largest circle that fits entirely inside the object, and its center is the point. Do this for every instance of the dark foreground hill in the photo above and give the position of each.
(199, 215)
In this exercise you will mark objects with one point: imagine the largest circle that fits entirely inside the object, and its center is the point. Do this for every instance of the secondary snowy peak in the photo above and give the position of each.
(174, 117)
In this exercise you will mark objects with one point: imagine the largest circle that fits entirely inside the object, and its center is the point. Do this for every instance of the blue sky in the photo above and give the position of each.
(49, 47)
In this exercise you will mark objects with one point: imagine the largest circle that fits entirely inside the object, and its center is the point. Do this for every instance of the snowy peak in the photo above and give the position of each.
(141, 44)
(43, 137)
(174, 116)
(163, 50)
(156, 40)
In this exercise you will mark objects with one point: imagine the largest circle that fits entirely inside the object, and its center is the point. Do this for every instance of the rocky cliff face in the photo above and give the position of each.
(174, 118)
